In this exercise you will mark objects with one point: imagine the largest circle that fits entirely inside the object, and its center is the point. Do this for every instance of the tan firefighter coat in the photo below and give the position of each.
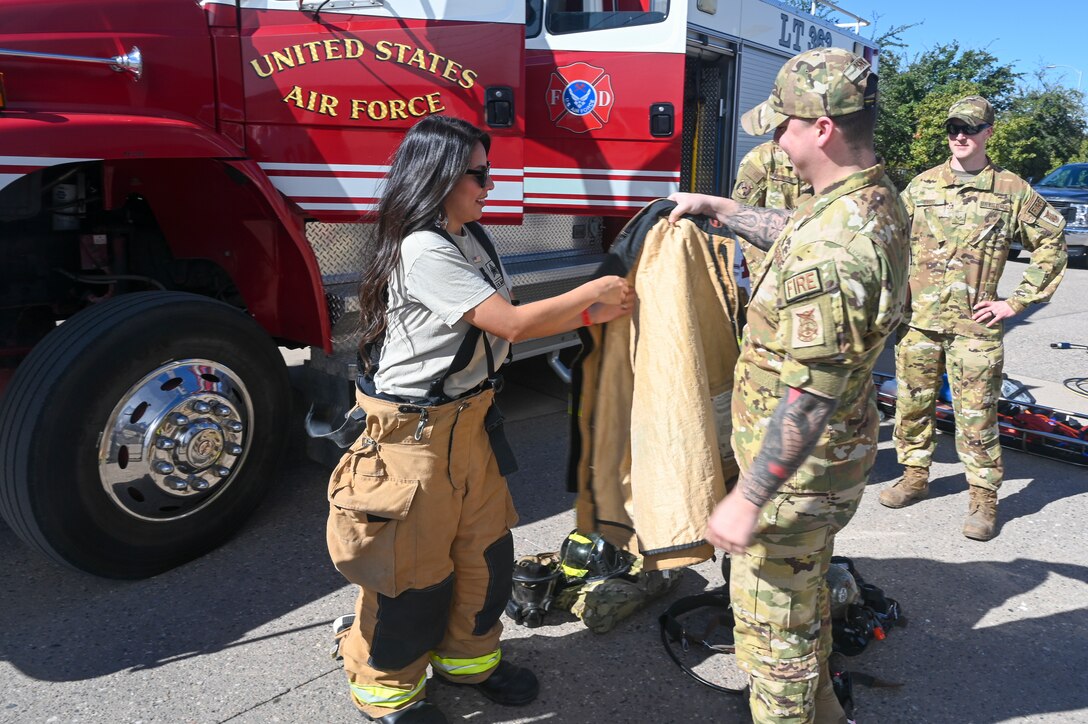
(650, 453)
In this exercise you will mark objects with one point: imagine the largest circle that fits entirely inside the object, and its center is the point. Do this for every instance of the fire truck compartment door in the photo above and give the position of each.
(330, 95)
(604, 94)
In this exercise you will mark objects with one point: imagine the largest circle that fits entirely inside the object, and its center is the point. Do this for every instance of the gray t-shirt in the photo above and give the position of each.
(429, 291)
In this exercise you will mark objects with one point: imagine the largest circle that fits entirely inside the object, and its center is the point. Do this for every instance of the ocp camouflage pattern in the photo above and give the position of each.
(960, 236)
(766, 178)
(974, 371)
(819, 82)
(822, 307)
(818, 319)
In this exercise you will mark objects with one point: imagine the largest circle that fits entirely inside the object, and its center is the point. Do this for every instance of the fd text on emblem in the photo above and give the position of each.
(580, 97)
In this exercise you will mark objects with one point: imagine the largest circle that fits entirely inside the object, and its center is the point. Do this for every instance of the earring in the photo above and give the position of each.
(441, 221)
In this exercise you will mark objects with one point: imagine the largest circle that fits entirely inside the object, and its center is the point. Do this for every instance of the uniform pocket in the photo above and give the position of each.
(366, 510)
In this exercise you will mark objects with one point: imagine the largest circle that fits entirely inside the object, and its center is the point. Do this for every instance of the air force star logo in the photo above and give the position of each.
(580, 97)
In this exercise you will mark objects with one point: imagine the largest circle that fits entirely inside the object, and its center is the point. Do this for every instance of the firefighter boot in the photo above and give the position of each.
(509, 685)
(912, 487)
(981, 522)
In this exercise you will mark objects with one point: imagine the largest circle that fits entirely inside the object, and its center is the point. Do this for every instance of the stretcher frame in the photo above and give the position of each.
(1072, 450)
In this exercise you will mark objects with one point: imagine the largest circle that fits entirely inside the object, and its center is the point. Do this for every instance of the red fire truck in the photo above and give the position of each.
(182, 186)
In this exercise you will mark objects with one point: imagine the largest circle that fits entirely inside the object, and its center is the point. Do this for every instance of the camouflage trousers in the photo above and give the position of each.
(782, 608)
(974, 377)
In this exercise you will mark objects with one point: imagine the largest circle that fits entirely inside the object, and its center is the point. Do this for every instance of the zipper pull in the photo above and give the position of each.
(422, 423)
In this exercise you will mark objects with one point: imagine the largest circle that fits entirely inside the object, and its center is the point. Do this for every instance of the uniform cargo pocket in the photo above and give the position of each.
(365, 511)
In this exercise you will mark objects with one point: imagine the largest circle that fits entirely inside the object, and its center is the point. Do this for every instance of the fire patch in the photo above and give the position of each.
(808, 326)
(580, 97)
(802, 285)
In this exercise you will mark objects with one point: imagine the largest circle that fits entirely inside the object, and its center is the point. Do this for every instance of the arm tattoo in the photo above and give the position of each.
(759, 226)
(791, 436)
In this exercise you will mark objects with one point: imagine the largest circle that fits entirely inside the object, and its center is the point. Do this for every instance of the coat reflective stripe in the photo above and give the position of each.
(466, 667)
(384, 695)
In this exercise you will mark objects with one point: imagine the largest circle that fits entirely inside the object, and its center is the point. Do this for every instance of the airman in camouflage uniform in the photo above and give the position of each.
(831, 292)
(965, 213)
(766, 178)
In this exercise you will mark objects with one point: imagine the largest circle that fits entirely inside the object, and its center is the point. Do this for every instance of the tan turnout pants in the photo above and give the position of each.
(420, 519)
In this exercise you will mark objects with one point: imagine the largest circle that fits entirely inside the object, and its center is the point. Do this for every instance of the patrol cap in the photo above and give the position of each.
(820, 82)
(974, 110)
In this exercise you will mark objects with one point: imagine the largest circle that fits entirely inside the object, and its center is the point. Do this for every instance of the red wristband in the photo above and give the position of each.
(586, 321)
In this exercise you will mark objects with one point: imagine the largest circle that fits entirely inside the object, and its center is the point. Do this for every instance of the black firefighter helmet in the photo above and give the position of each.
(590, 557)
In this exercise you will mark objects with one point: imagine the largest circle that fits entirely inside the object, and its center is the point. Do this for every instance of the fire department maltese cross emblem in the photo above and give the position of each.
(580, 97)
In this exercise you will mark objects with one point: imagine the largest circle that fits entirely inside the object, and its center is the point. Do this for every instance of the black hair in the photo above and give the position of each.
(429, 162)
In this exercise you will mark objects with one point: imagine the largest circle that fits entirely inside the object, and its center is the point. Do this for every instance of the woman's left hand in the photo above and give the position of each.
(600, 313)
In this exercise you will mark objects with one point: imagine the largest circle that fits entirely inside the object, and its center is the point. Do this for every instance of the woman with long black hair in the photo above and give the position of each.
(420, 513)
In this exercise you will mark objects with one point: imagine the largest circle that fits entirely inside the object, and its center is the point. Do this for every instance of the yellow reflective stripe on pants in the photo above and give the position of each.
(384, 695)
(466, 667)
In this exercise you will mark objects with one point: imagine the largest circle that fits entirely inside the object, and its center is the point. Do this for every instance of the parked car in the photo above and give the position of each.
(1066, 188)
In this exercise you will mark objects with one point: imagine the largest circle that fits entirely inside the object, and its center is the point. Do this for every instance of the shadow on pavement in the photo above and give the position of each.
(958, 661)
(62, 625)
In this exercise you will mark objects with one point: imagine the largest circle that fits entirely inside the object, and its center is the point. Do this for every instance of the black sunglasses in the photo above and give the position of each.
(482, 175)
(955, 129)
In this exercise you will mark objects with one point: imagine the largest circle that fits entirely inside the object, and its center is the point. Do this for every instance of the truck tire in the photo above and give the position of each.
(141, 433)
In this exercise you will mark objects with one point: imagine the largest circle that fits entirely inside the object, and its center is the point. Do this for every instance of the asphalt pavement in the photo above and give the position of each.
(997, 632)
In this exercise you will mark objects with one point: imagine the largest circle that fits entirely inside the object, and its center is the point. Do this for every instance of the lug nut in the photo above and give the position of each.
(233, 449)
(175, 483)
(221, 411)
(179, 419)
(234, 425)
(165, 443)
(163, 468)
(222, 471)
(202, 407)
(199, 484)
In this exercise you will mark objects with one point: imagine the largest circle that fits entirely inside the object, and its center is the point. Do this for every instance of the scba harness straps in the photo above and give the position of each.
(867, 614)
(672, 630)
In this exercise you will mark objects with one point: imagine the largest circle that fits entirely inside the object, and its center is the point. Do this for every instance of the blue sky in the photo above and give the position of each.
(1029, 35)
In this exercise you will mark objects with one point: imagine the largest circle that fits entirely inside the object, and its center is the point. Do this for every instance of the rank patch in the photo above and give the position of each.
(802, 285)
(1051, 219)
(744, 189)
(808, 326)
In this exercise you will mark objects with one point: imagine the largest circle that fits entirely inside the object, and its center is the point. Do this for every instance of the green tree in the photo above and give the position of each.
(1082, 154)
(915, 94)
(1042, 129)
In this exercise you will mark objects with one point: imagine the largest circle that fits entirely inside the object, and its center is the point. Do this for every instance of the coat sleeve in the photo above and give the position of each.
(1041, 231)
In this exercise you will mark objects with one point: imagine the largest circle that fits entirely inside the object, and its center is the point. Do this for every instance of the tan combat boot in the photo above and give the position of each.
(912, 487)
(981, 522)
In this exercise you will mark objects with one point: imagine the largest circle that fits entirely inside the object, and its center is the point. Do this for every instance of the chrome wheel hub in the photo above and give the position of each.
(175, 440)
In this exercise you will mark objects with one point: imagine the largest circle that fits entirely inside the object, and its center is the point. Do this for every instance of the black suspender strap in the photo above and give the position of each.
(436, 390)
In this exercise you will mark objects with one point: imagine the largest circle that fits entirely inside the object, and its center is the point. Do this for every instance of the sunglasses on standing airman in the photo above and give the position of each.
(482, 175)
(955, 129)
